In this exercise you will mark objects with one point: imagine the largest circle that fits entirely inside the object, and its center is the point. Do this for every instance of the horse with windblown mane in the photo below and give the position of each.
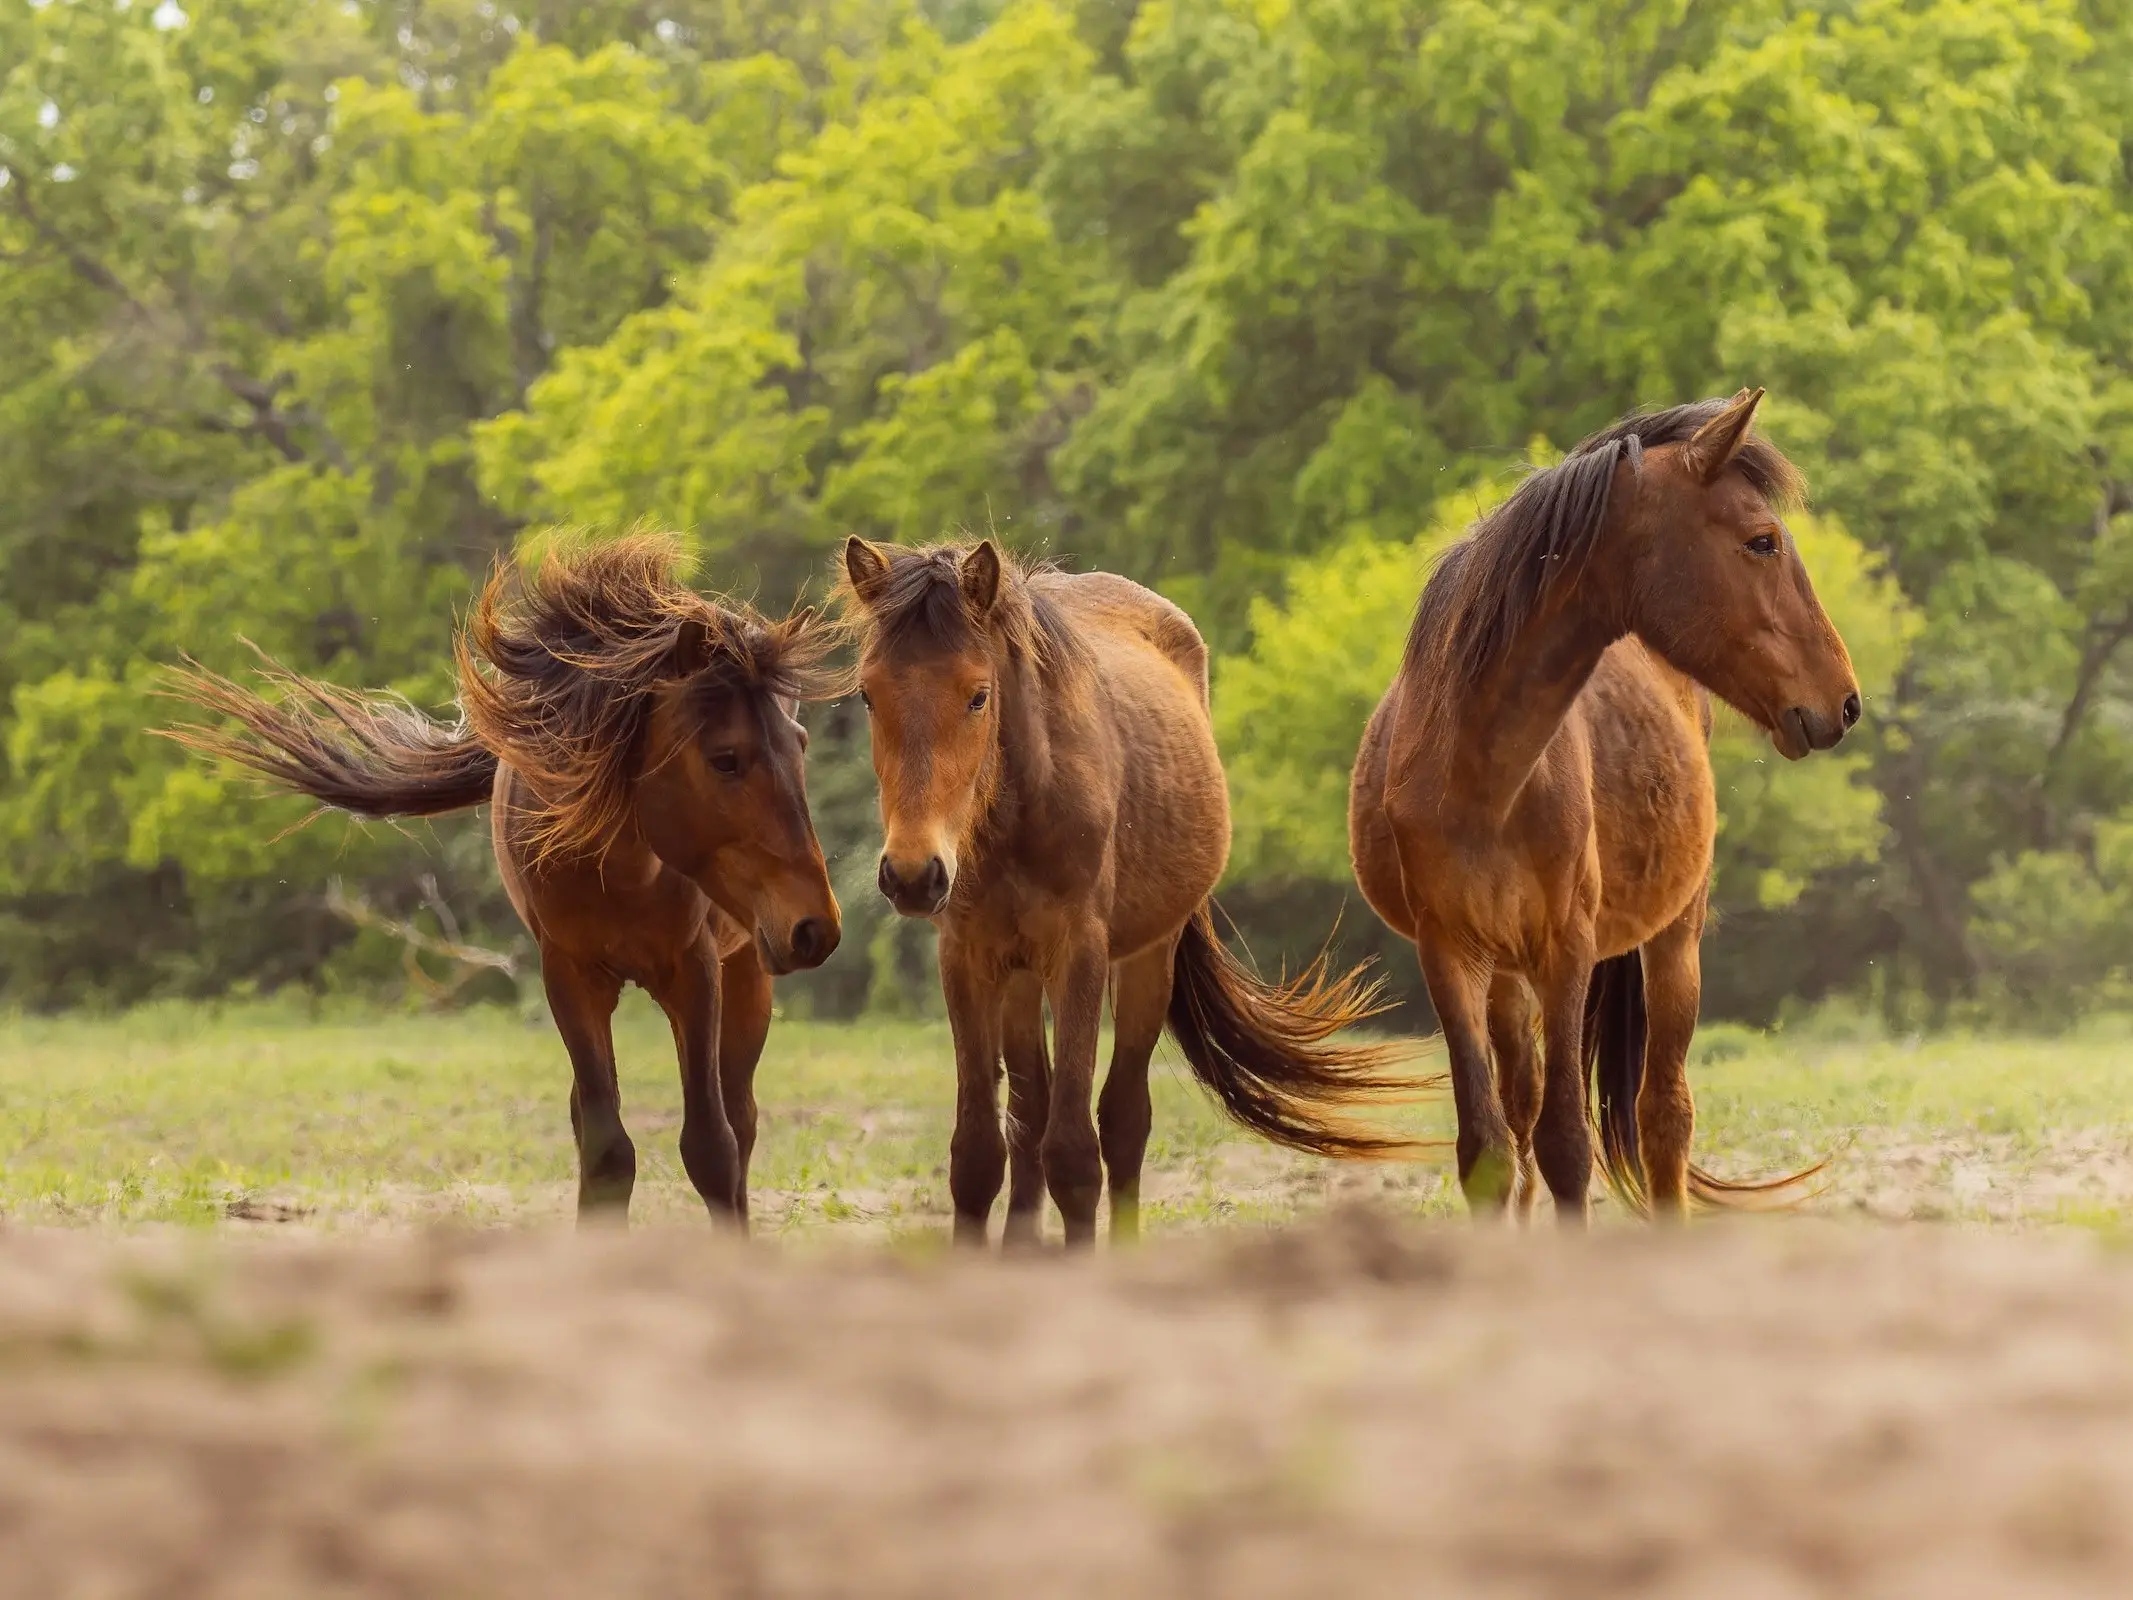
(639, 749)
(1533, 804)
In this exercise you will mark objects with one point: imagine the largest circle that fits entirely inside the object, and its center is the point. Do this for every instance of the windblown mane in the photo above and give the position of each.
(920, 601)
(558, 665)
(1490, 583)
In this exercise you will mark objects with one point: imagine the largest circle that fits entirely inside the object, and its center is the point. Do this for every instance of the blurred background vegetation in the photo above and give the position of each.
(311, 308)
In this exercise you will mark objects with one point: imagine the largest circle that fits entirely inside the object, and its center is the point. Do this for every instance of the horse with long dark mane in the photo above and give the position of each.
(1053, 802)
(639, 747)
(1533, 802)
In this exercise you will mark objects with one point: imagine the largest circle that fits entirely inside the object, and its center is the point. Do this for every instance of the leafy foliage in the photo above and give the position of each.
(310, 309)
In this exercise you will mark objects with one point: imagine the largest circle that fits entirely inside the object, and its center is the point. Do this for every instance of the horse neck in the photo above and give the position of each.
(1502, 728)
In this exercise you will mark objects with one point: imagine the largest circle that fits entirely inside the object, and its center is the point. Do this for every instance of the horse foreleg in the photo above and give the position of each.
(1562, 1138)
(1140, 1001)
(689, 994)
(1073, 1160)
(581, 999)
(1518, 1078)
(977, 1151)
(1029, 1094)
(745, 999)
(1488, 1169)
(1666, 1109)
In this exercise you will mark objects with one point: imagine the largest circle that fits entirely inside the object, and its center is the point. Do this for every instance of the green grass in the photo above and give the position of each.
(180, 1113)
(194, 1114)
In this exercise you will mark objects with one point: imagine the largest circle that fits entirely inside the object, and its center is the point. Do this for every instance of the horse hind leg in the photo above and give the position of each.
(1140, 1001)
(1666, 1107)
(1073, 1157)
(1562, 1137)
(1488, 1167)
(581, 999)
(1518, 1078)
(1029, 1093)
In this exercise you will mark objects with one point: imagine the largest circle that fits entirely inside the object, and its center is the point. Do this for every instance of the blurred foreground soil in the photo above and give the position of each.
(1354, 1408)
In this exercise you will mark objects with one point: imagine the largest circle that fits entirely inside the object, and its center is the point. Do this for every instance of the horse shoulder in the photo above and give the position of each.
(626, 910)
(1655, 802)
(1633, 690)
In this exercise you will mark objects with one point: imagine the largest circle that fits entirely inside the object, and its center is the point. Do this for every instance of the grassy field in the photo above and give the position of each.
(264, 1113)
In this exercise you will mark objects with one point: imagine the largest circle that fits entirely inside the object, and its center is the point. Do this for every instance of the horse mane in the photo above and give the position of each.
(559, 662)
(919, 601)
(1491, 582)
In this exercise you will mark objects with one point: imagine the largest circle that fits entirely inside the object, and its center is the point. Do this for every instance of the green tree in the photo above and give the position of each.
(308, 309)
(264, 266)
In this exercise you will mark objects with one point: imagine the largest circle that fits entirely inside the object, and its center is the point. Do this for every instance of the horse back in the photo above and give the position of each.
(1169, 811)
(1124, 612)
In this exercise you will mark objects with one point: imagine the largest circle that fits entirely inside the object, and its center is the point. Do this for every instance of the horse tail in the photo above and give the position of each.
(1264, 1049)
(1614, 1056)
(1615, 1028)
(373, 755)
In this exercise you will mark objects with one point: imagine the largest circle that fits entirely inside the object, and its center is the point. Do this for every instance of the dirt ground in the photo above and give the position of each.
(1353, 1407)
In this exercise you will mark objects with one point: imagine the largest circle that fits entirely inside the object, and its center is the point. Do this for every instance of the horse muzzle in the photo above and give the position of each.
(915, 888)
(808, 943)
(1802, 730)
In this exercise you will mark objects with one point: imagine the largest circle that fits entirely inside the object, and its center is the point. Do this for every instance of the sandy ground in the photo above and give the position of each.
(1767, 1409)
(2082, 1176)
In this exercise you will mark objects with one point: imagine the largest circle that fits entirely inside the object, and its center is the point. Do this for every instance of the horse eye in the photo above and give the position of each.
(1764, 544)
(866, 699)
(978, 701)
(726, 764)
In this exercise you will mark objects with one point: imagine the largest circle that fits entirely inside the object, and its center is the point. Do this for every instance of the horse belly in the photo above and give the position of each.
(1372, 849)
(1171, 838)
(1655, 807)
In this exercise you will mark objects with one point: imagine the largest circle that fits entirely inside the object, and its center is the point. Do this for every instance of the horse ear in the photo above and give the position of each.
(1718, 441)
(981, 577)
(693, 647)
(866, 566)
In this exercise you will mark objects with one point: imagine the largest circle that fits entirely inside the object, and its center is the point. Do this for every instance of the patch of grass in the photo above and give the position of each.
(269, 1112)
(195, 1115)
(2025, 1089)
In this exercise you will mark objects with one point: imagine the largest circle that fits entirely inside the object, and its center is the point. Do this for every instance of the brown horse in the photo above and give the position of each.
(1533, 802)
(640, 748)
(1053, 802)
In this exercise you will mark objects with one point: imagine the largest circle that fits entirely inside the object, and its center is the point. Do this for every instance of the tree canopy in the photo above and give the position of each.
(309, 310)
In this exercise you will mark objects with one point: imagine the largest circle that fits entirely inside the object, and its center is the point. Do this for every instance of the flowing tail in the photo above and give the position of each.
(1614, 1054)
(1263, 1049)
(370, 754)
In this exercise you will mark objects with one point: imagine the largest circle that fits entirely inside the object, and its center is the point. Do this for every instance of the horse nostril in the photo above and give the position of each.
(810, 941)
(914, 886)
(1851, 710)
